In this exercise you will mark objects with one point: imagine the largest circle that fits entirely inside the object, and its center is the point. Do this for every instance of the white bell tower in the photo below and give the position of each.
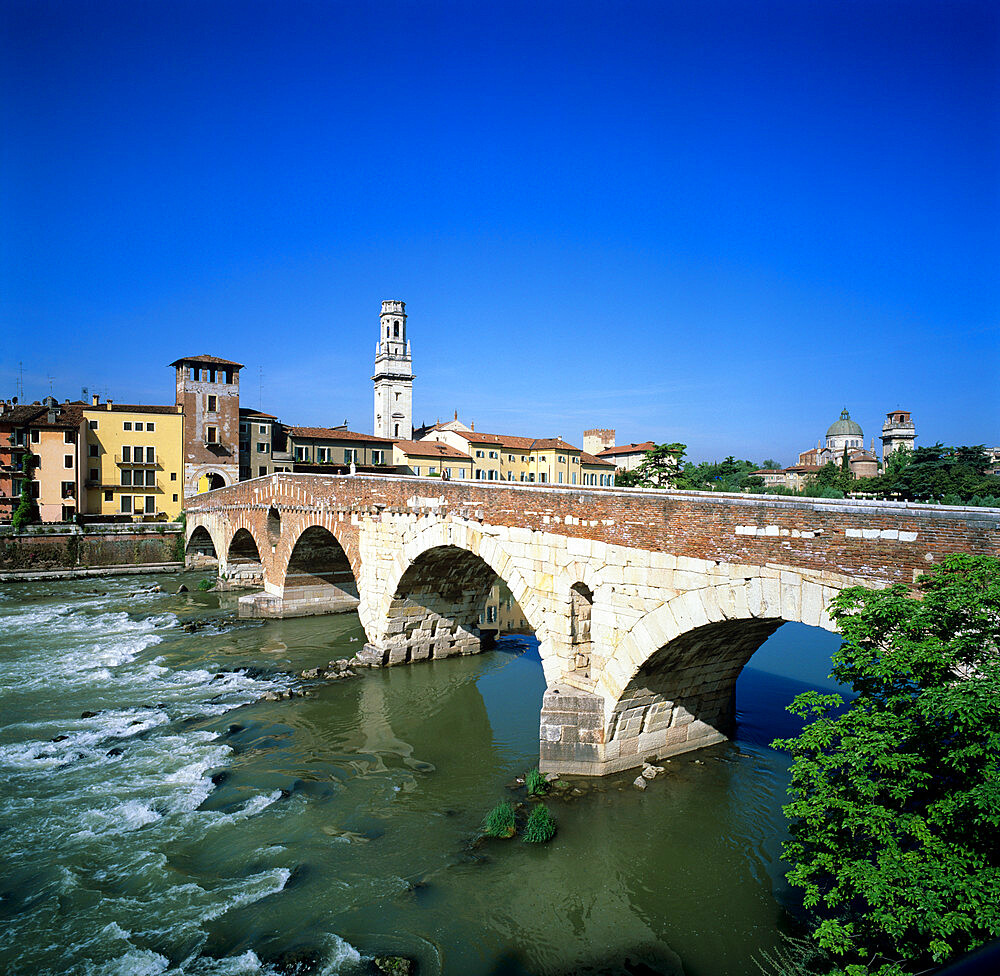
(393, 375)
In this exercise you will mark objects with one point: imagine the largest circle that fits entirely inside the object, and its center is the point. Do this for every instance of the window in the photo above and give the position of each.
(322, 455)
(212, 435)
(494, 454)
(531, 476)
(126, 453)
(542, 458)
(395, 330)
(302, 454)
(243, 428)
(173, 475)
(67, 460)
(138, 426)
(350, 454)
(261, 448)
(447, 472)
(151, 504)
(68, 437)
(573, 478)
(150, 479)
(262, 471)
(511, 458)
(126, 504)
(109, 496)
(213, 403)
(510, 475)
(416, 469)
(562, 458)
(397, 431)
(378, 457)
(127, 477)
(560, 477)
(126, 425)
(68, 489)
(93, 425)
(194, 374)
(93, 474)
(211, 376)
(543, 477)
(175, 498)
(479, 454)
(262, 429)
(34, 437)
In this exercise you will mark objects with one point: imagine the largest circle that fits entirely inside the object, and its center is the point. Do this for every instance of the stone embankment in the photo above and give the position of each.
(64, 550)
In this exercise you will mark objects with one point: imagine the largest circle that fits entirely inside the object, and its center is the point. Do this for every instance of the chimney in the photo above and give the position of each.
(111, 403)
(95, 399)
(472, 426)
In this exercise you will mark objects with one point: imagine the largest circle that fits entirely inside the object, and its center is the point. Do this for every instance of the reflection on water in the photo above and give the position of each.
(187, 826)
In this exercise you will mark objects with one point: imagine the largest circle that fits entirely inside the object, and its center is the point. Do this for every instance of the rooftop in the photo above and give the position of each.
(335, 434)
(205, 358)
(431, 449)
(628, 449)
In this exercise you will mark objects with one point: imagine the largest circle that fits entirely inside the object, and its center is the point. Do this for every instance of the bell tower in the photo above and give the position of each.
(393, 375)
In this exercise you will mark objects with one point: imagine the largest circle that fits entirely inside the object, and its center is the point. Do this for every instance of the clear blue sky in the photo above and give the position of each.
(712, 222)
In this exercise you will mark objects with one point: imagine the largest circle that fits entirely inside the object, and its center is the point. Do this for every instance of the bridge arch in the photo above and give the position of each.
(670, 685)
(202, 548)
(435, 590)
(318, 576)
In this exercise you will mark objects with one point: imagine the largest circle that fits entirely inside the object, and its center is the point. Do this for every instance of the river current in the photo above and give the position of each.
(186, 825)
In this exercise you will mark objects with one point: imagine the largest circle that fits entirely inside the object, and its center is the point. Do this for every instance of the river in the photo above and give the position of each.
(191, 827)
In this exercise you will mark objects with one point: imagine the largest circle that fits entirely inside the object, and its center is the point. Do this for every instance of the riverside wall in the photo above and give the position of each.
(46, 548)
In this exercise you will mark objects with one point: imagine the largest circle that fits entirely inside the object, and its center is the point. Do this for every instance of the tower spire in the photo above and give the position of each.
(393, 374)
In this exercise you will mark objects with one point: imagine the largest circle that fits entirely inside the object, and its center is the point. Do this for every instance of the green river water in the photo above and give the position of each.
(191, 827)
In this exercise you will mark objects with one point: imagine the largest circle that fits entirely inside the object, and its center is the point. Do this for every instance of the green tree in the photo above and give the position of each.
(896, 800)
(660, 467)
(26, 512)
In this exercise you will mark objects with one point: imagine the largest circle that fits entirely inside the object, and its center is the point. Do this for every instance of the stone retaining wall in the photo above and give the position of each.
(91, 546)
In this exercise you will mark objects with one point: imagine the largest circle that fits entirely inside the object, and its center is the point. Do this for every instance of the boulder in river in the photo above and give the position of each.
(394, 965)
(182, 588)
(87, 714)
(639, 783)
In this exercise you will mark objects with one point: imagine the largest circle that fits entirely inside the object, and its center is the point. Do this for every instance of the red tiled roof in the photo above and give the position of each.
(335, 434)
(212, 360)
(516, 443)
(627, 449)
(431, 449)
(586, 458)
(249, 412)
(131, 408)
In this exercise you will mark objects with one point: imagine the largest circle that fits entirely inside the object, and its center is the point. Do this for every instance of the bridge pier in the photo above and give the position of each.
(302, 601)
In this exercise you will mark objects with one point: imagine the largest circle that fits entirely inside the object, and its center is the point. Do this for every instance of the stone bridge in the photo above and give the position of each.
(646, 604)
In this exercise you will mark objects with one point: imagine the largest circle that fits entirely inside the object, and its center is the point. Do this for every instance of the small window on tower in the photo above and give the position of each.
(395, 330)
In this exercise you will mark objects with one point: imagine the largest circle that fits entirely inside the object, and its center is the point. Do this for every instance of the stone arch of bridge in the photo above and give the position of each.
(203, 546)
(437, 556)
(242, 547)
(319, 575)
(670, 685)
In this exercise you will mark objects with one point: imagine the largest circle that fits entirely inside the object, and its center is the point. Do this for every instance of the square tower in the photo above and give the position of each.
(208, 389)
(393, 375)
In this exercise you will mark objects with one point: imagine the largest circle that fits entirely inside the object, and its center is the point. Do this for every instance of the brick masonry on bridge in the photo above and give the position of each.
(646, 603)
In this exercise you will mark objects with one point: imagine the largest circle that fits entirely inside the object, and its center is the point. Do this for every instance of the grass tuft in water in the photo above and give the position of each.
(500, 822)
(541, 826)
(535, 783)
(205, 584)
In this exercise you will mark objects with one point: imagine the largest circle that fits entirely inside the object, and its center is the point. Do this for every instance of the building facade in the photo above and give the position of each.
(257, 432)
(897, 431)
(393, 375)
(627, 457)
(208, 394)
(431, 459)
(135, 459)
(336, 449)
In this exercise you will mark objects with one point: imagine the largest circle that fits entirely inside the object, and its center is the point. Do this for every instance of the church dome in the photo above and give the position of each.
(845, 427)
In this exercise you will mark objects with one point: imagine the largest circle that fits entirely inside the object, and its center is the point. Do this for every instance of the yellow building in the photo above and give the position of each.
(506, 457)
(134, 459)
(432, 459)
(597, 471)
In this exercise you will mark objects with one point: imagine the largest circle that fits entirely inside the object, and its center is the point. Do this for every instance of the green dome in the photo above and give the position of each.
(845, 426)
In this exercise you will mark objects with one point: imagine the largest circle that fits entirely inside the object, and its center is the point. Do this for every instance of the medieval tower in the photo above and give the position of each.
(393, 375)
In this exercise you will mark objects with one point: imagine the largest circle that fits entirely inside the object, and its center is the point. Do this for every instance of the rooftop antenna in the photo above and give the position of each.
(260, 387)
(50, 385)
(20, 380)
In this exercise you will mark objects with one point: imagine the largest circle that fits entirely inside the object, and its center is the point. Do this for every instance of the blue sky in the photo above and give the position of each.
(710, 222)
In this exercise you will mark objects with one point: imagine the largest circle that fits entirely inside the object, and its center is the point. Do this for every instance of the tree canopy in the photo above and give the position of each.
(896, 799)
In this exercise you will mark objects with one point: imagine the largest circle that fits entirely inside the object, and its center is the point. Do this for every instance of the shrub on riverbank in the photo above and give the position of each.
(541, 826)
(500, 822)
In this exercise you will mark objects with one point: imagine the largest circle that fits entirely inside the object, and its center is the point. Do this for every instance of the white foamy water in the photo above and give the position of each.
(96, 810)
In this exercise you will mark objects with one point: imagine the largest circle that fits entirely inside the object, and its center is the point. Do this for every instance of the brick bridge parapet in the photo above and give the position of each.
(646, 603)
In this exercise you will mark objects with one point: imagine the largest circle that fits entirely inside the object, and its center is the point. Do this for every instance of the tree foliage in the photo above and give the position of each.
(727, 475)
(659, 468)
(26, 512)
(896, 799)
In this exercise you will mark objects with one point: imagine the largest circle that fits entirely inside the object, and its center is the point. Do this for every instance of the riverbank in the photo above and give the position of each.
(61, 547)
(34, 576)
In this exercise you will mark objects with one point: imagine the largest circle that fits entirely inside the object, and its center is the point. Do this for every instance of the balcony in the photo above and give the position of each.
(133, 462)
